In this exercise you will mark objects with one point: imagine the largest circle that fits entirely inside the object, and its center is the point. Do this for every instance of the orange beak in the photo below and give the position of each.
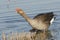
(19, 10)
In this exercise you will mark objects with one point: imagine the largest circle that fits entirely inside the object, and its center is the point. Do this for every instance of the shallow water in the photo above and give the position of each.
(10, 21)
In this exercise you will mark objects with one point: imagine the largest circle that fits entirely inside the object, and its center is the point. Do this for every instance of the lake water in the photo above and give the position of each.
(10, 21)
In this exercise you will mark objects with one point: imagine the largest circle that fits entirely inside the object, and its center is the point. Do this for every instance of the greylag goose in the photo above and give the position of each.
(40, 22)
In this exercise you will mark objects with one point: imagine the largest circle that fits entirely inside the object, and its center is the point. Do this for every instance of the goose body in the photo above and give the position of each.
(40, 22)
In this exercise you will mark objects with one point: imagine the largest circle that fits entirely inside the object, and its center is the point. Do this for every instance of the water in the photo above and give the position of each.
(10, 21)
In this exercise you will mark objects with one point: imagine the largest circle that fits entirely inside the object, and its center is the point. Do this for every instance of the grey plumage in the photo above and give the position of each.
(40, 22)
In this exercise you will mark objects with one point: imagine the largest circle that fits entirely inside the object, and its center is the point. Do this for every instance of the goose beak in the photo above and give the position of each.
(20, 11)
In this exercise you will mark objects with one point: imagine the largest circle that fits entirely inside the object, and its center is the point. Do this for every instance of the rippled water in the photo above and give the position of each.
(10, 21)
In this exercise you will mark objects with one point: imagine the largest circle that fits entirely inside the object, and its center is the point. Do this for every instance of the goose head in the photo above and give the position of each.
(19, 11)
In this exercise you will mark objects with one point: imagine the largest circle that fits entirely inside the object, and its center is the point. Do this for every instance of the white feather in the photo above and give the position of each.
(52, 20)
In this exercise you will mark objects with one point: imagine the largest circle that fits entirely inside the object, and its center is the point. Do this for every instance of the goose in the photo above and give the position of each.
(40, 22)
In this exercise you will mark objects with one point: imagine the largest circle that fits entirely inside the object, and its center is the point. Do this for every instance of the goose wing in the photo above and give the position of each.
(44, 17)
